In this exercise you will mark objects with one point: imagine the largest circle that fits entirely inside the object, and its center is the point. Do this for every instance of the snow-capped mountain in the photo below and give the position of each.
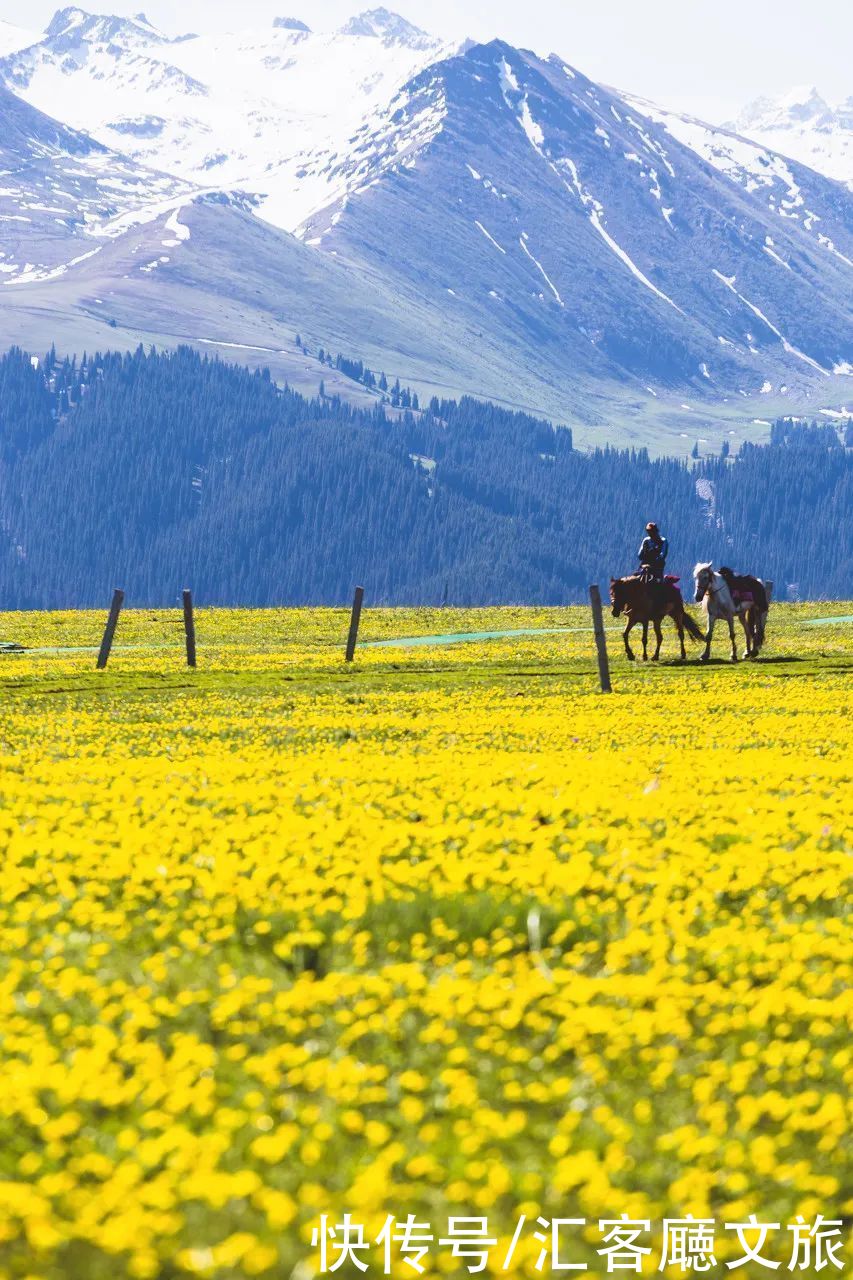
(65, 196)
(477, 220)
(803, 125)
(266, 110)
(381, 24)
(594, 227)
(70, 28)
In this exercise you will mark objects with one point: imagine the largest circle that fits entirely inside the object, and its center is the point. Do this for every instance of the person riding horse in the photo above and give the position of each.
(652, 554)
(649, 596)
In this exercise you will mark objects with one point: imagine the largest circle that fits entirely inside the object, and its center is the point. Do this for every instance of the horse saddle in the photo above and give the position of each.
(743, 597)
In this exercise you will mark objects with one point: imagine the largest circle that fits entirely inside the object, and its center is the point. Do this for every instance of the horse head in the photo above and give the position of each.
(703, 575)
(617, 596)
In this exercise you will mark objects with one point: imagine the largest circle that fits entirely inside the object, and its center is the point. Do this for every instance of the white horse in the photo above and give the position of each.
(718, 602)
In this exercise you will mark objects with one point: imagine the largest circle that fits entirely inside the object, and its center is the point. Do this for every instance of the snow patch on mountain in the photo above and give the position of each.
(550, 283)
(596, 216)
(729, 282)
(489, 237)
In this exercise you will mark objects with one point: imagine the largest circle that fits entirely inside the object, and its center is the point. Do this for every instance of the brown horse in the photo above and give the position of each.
(646, 602)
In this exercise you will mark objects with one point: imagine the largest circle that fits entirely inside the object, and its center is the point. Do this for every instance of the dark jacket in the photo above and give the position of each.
(653, 552)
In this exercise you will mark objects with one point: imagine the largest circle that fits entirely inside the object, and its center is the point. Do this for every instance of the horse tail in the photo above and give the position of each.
(761, 626)
(762, 603)
(692, 629)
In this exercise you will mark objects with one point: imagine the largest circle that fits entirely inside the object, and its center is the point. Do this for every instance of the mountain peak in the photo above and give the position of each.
(802, 95)
(65, 20)
(290, 24)
(802, 105)
(802, 124)
(385, 25)
(78, 23)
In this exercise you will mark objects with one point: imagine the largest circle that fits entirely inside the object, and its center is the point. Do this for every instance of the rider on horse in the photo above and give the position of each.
(649, 596)
(652, 554)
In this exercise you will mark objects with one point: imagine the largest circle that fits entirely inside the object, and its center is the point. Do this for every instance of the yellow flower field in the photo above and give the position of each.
(444, 933)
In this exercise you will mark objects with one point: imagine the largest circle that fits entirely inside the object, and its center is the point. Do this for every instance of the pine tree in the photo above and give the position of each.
(508, 510)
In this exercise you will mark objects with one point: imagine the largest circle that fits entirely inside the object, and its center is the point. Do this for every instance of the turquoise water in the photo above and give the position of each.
(416, 642)
(459, 637)
(462, 637)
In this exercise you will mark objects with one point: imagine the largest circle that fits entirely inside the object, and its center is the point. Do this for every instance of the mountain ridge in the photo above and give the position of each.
(477, 220)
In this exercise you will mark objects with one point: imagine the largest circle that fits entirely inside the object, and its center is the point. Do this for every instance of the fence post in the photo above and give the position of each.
(768, 587)
(600, 640)
(354, 621)
(110, 629)
(189, 627)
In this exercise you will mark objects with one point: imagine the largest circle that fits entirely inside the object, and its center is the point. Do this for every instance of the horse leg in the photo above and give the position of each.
(658, 639)
(705, 655)
(645, 639)
(731, 623)
(628, 628)
(678, 619)
(746, 621)
(755, 631)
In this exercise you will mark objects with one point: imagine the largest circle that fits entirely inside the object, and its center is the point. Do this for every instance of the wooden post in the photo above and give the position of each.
(189, 627)
(354, 621)
(600, 640)
(110, 630)
(768, 587)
